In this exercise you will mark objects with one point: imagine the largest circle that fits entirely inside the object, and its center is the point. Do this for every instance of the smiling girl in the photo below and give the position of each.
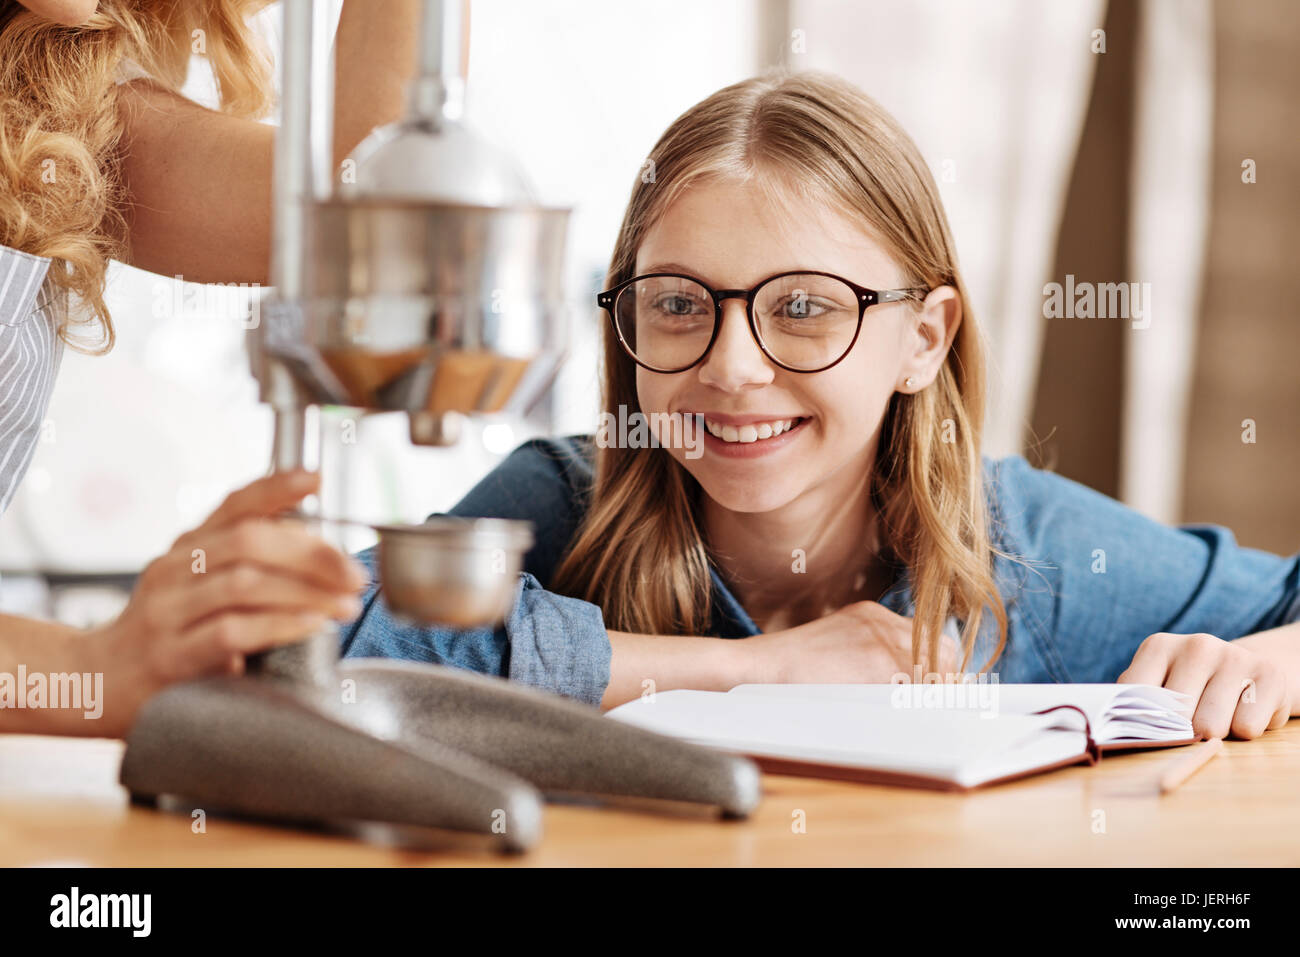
(787, 281)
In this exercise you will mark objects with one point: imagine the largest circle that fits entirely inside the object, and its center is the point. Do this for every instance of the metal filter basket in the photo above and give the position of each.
(461, 572)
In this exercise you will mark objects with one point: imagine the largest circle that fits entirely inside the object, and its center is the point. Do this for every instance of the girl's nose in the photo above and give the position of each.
(735, 361)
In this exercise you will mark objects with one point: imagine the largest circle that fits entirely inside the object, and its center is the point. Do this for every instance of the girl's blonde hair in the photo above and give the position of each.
(640, 553)
(61, 190)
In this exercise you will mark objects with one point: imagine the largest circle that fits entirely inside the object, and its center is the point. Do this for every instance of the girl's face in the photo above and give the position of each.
(732, 236)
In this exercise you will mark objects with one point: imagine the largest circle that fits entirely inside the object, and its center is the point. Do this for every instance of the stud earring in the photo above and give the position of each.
(908, 382)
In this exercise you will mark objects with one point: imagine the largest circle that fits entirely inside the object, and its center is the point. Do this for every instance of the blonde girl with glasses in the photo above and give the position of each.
(842, 523)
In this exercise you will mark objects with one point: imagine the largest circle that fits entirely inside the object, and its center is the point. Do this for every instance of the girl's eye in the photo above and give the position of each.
(801, 307)
(677, 305)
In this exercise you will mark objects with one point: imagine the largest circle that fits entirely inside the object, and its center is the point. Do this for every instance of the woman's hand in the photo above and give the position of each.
(863, 642)
(1236, 690)
(241, 582)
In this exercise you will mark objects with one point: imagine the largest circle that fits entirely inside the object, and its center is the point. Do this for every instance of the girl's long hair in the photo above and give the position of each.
(61, 191)
(640, 553)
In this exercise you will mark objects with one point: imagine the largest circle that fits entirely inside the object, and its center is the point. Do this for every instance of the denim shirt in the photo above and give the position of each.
(1090, 581)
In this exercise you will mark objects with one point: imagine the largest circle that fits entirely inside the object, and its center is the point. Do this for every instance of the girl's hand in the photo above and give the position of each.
(241, 582)
(862, 643)
(1236, 689)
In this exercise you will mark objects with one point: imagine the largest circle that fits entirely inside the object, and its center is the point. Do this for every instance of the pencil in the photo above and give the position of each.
(1183, 767)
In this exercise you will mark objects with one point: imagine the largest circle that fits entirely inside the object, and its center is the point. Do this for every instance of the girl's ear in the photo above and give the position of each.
(69, 13)
(932, 330)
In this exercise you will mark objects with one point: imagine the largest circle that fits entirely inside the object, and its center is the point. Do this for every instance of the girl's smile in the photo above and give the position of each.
(749, 436)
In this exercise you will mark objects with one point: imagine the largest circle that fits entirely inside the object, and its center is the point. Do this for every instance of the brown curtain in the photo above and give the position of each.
(1246, 370)
(1075, 425)
(1248, 353)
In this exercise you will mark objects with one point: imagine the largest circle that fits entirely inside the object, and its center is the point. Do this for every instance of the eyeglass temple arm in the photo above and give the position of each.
(896, 295)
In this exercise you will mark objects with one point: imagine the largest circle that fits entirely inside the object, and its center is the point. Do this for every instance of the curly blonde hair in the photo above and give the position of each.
(61, 191)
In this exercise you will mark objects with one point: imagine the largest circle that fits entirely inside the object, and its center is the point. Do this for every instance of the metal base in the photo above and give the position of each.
(407, 744)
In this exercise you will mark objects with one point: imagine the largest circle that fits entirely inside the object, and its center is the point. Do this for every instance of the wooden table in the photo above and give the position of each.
(60, 804)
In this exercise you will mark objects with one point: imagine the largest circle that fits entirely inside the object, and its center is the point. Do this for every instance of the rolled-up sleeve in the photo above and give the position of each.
(558, 643)
(552, 642)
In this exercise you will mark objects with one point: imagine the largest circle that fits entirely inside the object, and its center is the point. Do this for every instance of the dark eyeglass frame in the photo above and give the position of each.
(865, 297)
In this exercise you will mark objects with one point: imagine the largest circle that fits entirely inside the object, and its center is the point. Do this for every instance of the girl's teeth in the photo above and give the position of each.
(749, 433)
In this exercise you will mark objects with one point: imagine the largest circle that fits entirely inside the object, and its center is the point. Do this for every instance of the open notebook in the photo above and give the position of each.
(936, 736)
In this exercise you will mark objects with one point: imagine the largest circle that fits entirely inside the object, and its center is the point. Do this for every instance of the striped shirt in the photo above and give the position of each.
(30, 310)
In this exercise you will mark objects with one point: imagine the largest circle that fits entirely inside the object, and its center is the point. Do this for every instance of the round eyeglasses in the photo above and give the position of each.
(803, 321)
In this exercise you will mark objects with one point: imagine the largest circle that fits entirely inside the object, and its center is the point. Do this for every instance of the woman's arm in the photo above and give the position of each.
(198, 182)
(43, 647)
(198, 189)
(241, 582)
(70, 13)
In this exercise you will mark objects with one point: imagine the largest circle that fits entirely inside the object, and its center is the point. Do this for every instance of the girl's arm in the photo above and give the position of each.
(198, 182)
(861, 642)
(641, 664)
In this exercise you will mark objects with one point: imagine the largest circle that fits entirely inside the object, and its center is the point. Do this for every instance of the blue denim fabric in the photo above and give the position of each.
(1091, 579)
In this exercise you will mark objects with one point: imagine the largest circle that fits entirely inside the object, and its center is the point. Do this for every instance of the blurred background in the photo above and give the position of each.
(1147, 142)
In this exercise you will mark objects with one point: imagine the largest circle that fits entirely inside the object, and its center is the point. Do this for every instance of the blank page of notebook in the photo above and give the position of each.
(951, 746)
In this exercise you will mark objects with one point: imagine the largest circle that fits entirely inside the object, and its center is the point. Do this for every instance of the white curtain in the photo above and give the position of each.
(995, 96)
(1168, 231)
